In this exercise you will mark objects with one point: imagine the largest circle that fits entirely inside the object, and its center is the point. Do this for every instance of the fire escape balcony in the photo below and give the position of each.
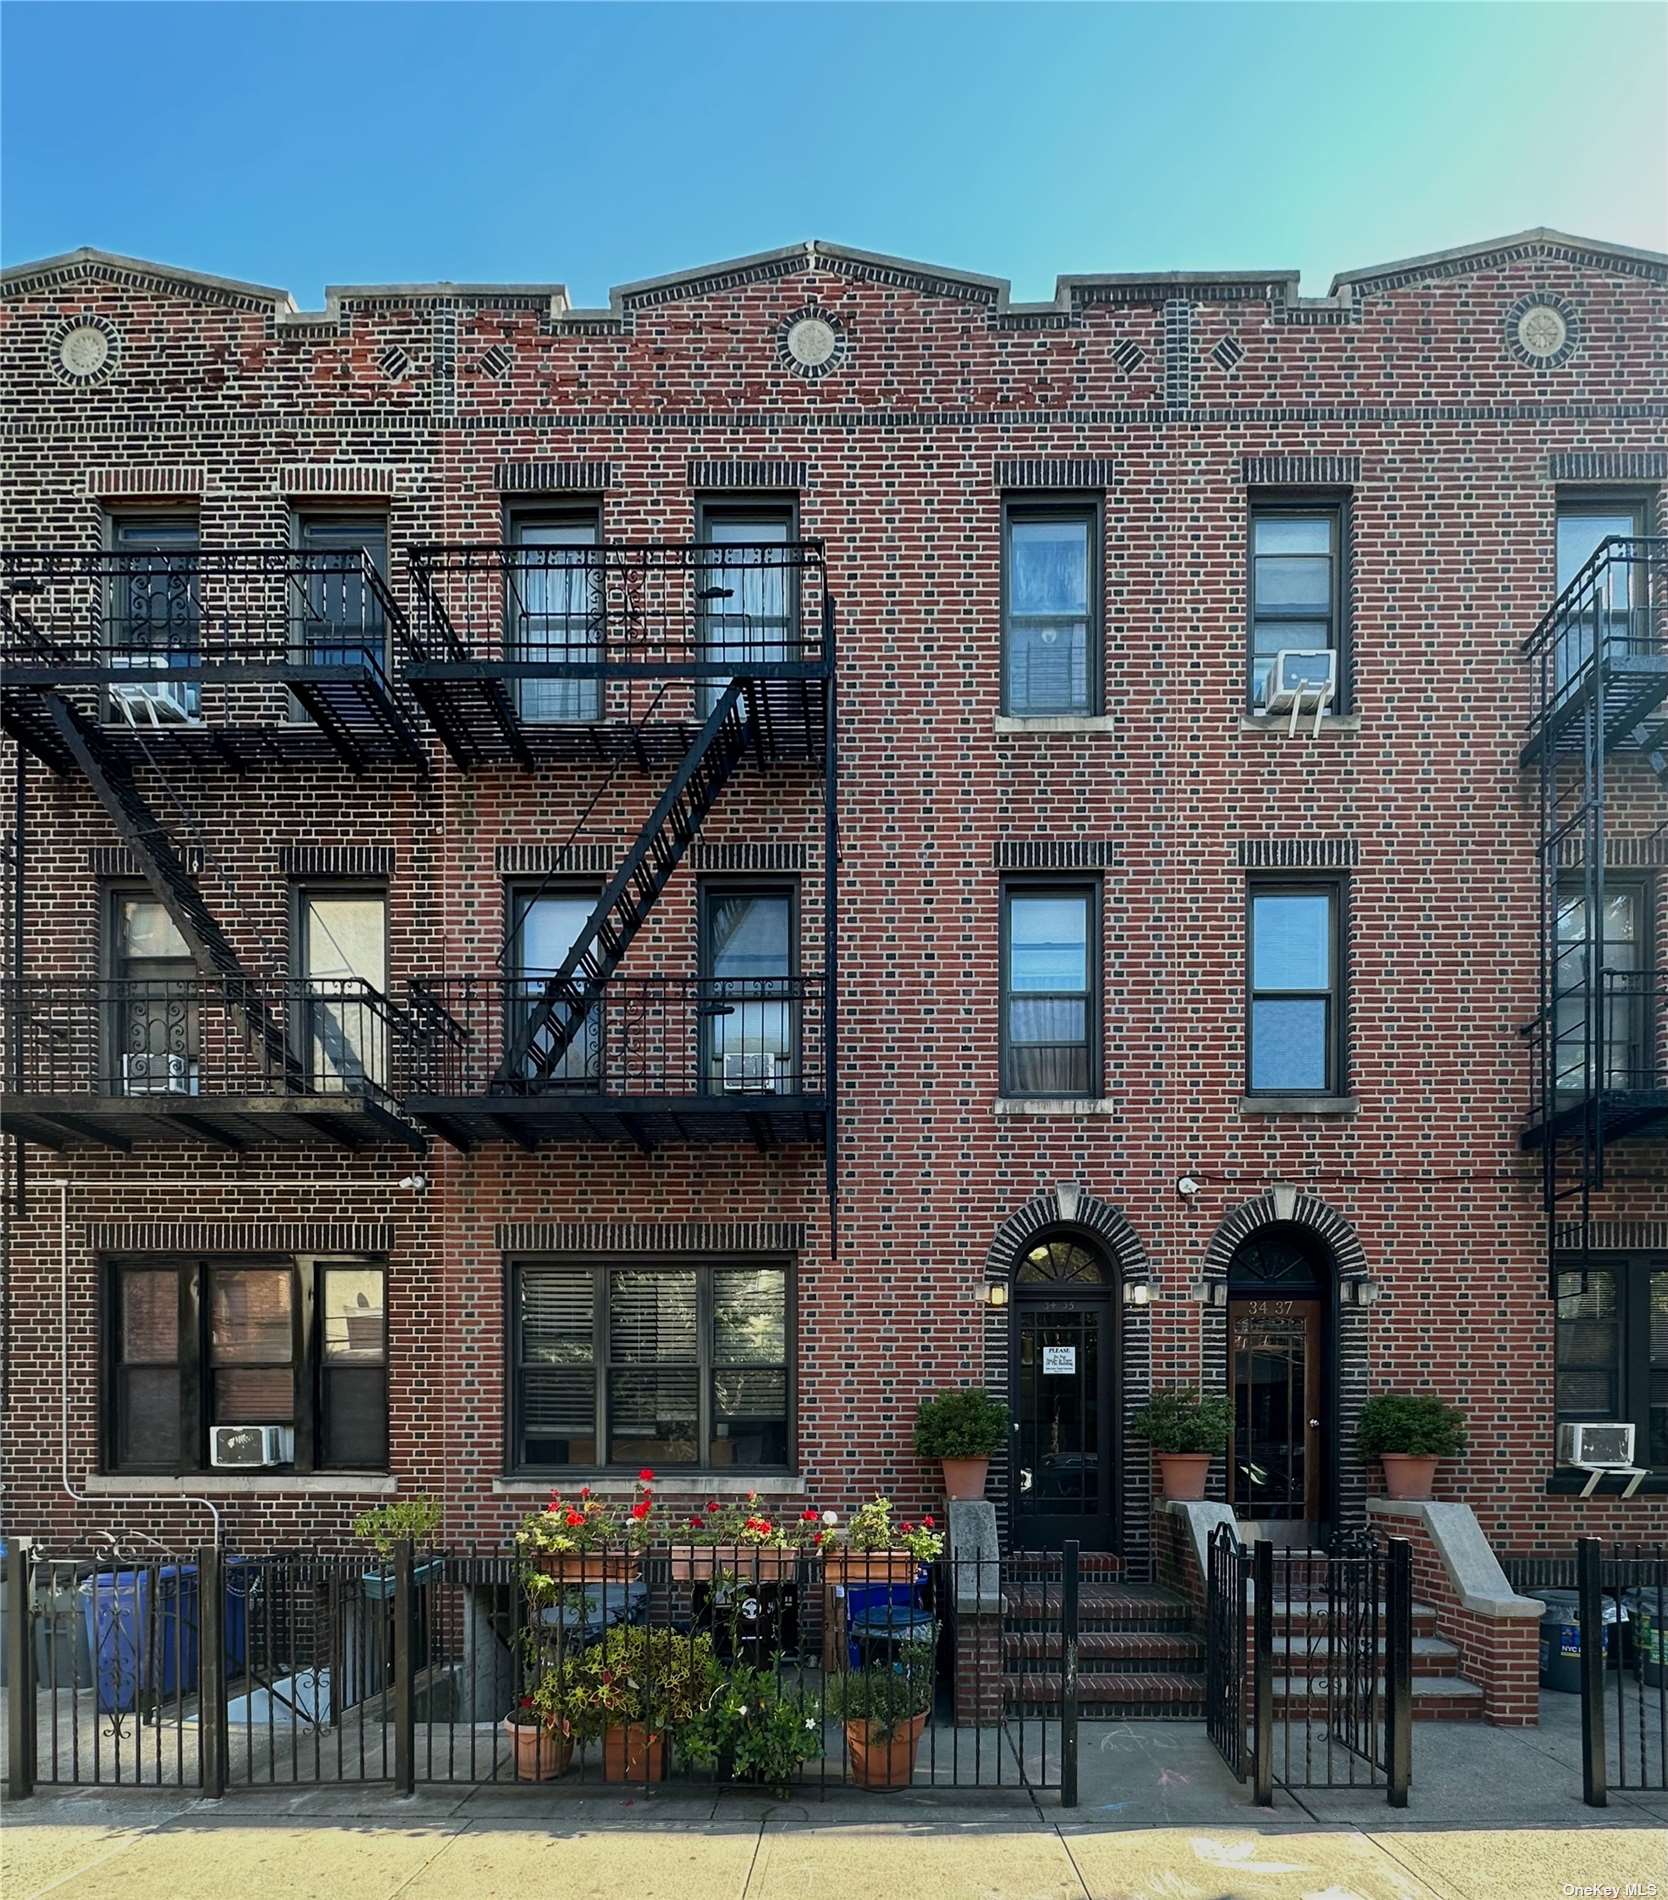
(553, 655)
(1606, 1068)
(117, 1061)
(647, 1060)
(234, 657)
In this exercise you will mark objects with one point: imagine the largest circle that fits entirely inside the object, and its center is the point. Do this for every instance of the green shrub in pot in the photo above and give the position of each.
(964, 1427)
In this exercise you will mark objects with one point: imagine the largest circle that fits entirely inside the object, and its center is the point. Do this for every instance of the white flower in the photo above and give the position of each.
(742, 1710)
(831, 1517)
(809, 1723)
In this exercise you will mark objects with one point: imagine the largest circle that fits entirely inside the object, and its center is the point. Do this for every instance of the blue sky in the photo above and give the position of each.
(590, 145)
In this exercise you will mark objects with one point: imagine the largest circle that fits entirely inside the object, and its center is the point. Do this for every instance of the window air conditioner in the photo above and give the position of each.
(750, 1074)
(147, 1074)
(1302, 679)
(153, 703)
(1598, 1448)
(248, 1446)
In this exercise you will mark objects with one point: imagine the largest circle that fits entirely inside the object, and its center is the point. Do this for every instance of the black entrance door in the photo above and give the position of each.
(1065, 1482)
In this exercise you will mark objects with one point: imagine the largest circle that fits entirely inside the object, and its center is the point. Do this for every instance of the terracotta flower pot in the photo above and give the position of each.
(542, 1751)
(633, 1752)
(763, 1563)
(965, 1477)
(888, 1763)
(588, 1567)
(1406, 1476)
(1184, 1473)
(870, 1566)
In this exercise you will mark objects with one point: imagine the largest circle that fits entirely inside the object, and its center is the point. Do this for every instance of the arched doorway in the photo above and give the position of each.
(1063, 1373)
(1282, 1303)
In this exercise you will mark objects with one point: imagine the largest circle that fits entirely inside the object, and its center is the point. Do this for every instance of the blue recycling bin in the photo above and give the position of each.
(140, 1642)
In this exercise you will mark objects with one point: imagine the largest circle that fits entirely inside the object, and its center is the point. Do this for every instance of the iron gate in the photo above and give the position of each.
(1226, 1599)
(1623, 1594)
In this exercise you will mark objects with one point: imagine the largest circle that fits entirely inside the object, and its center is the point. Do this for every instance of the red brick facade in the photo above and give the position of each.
(1402, 389)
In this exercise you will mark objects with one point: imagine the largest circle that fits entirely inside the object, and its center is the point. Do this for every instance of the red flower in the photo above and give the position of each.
(906, 1527)
(752, 1497)
(584, 1490)
(697, 1523)
(712, 1504)
(810, 1517)
(640, 1511)
(526, 1702)
(927, 1521)
(576, 1517)
(645, 1476)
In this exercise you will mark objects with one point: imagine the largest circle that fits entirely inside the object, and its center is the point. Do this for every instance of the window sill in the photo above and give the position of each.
(1007, 723)
(1054, 1105)
(231, 1484)
(1570, 1484)
(772, 1484)
(1281, 723)
(1299, 1105)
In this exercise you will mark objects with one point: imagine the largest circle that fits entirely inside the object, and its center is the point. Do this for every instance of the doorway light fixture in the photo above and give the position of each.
(1138, 1292)
(993, 1293)
(1208, 1291)
(1361, 1292)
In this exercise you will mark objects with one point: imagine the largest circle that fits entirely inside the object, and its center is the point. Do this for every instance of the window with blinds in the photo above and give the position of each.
(643, 1364)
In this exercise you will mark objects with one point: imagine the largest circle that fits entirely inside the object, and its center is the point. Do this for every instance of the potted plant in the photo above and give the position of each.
(740, 1540)
(884, 1706)
(633, 1689)
(963, 1428)
(872, 1549)
(413, 1520)
(1409, 1432)
(1186, 1429)
(748, 1730)
(542, 1744)
(587, 1539)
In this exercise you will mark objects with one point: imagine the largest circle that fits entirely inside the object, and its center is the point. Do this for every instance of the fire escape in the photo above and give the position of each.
(694, 664)
(175, 665)
(1598, 743)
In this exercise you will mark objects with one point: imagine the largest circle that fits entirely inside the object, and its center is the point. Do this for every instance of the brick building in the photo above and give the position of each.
(644, 886)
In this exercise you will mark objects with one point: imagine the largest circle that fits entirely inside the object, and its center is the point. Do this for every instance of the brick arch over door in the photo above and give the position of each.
(1074, 1213)
(1349, 1323)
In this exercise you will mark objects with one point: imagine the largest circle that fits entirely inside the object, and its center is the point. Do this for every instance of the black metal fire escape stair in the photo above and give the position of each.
(162, 868)
(556, 1016)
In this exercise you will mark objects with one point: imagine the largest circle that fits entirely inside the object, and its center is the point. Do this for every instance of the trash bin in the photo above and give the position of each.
(1648, 1613)
(1561, 1637)
(137, 1643)
(63, 1661)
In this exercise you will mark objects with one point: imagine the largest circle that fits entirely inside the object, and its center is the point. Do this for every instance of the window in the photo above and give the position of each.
(1613, 1350)
(553, 610)
(1050, 989)
(1623, 993)
(153, 613)
(1297, 587)
(650, 1362)
(1295, 990)
(152, 1032)
(1585, 522)
(749, 600)
(545, 924)
(1050, 608)
(339, 617)
(199, 1343)
(343, 962)
(747, 1003)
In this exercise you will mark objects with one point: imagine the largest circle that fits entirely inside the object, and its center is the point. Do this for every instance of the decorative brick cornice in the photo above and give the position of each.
(239, 1237)
(1066, 1206)
(552, 477)
(1298, 854)
(1599, 465)
(767, 854)
(117, 860)
(339, 478)
(1055, 854)
(650, 1237)
(112, 483)
(1326, 1223)
(1300, 471)
(537, 860)
(1060, 472)
(336, 860)
(746, 474)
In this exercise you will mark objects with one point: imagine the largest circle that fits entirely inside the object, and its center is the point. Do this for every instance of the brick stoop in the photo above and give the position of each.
(1138, 1653)
(1302, 1651)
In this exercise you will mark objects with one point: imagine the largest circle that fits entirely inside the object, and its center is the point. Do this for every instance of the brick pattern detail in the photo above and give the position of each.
(336, 860)
(117, 860)
(1622, 854)
(1634, 465)
(743, 474)
(1075, 472)
(552, 478)
(1300, 471)
(1178, 353)
(650, 1237)
(339, 478)
(140, 480)
(234, 1237)
(766, 855)
(1298, 854)
(1055, 854)
(539, 860)
(1614, 1236)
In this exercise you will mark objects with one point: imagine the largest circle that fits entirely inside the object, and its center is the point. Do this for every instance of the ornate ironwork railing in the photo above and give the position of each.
(1608, 1038)
(160, 1039)
(171, 619)
(742, 1039)
(561, 619)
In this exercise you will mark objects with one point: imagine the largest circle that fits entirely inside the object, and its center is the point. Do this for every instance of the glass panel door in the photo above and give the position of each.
(548, 925)
(345, 970)
(338, 617)
(153, 1035)
(1274, 1378)
(747, 1001)
(1062, 1481)
(1623, 1034)
(746, 606)
(550, 618)
(154, 619)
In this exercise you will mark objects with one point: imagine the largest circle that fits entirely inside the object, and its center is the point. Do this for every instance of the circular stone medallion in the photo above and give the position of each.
(1542, 331)
(83, 350)
(812, 342)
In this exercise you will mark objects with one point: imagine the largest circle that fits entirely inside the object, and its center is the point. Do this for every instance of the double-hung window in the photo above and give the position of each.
(748, 596)
(1297, 592)
(1613, 1350)
(654, 1362)
(1295, 990)
(1603, 1013)
(747, 1003)
(192, 1344)
(154, 617)
(1051, 608)
(554, 610)
(152, 1033)
(545, 924)
(342, 958)
(1050, 989)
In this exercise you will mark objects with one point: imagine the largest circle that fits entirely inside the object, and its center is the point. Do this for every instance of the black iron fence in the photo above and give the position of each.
(155, 1039)
(1309, 1663)
(1622, 1622)
(781, 1669)
(639, 1036)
